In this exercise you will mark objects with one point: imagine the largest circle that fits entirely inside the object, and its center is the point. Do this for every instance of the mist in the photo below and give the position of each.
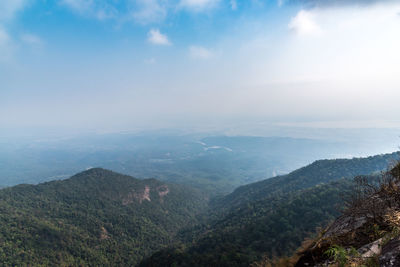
(294, 63)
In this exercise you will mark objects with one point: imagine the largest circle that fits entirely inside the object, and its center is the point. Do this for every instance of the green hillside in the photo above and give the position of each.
(273, 227)
(97, 217)
(321, 171)
(272, 217)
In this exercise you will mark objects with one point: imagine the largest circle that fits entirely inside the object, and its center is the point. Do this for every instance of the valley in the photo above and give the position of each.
(99, 216)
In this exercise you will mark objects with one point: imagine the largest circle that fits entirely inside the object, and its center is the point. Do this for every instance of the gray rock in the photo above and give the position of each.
(371, 249)
(344, 225)
(390, 255)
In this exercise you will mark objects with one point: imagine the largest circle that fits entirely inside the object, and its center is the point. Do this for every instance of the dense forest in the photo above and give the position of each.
(99, 217)
(319, 172)
(275, 226)
(271, 218)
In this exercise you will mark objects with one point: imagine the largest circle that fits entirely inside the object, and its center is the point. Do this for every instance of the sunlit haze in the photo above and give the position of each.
(125, 65)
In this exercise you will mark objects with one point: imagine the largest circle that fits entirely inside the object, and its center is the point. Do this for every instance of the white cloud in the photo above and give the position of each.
(354, 63)
(97, 9)
(304, 23)
(156, 37)
(199, 52)
(147, 11)
(198, 5)
(336, 3)
(142, 11)
(8, 8)
(31, 39)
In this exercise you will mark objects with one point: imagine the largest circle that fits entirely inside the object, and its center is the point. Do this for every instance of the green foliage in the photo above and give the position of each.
(371, 262)
(275, 226)
(101, 218)
(319, 172)
(84, 221)
(394, 233)
(270, 218)
(340, 254)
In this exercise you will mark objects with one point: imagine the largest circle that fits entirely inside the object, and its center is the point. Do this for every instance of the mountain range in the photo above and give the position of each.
(217, 164)
(271, 218)
(99, 217)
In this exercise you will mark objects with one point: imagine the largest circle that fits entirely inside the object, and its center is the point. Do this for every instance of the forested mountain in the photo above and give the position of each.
(99, 217)
(272, 217)
(321, 171)
(96, 217)
(268, 228)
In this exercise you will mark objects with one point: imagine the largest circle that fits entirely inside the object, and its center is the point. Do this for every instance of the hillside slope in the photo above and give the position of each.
(321, 171)
(272, 217)
(99, 217)
(96, 217)
(366, 234)
(269, 228)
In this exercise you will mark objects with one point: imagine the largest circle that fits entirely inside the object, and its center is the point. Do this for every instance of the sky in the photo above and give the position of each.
(112, 65)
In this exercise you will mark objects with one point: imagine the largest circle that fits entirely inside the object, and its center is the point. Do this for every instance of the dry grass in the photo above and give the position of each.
(377, 202)
(278, 262)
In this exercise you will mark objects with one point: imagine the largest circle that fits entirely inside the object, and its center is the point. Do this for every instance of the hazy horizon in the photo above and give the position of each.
(109, 66)
(199, 132)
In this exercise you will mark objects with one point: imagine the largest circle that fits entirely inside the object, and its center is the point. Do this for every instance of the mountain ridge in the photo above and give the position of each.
(102, 217)
(368, 231)
(272, 217)
(321, 171)
(97, 216)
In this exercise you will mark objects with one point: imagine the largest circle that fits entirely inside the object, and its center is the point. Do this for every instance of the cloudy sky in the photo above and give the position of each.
(127, 64)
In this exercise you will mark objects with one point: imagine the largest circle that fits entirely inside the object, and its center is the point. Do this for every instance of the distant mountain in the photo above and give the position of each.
(97, 218)
(319, 172)
(272, 217)
(218, 164)
(102, 218)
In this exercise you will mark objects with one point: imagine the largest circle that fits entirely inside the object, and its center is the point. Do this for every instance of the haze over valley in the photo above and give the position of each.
(177, 133)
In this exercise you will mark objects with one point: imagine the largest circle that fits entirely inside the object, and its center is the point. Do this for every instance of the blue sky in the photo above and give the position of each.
(114, 64)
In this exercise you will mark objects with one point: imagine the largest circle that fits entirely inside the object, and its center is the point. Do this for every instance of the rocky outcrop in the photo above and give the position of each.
(137, 196)
(104, 233)
(144, 194)
(390, 255)
(372, 249)
(162, 190)
(368, 231)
